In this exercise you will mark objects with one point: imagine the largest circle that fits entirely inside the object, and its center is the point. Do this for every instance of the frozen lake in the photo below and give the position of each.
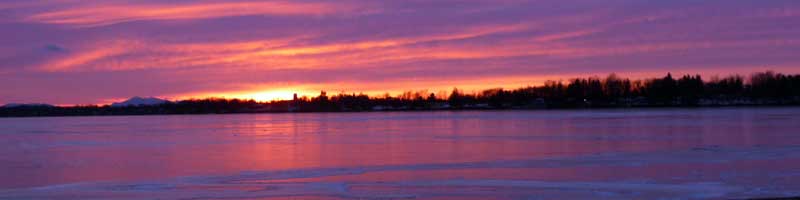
(601, 154)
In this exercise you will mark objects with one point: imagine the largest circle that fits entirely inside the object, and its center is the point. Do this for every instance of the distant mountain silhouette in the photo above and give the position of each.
(140, 101)
(15, 105)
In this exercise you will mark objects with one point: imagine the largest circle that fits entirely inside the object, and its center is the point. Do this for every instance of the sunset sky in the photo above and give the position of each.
(91, 51)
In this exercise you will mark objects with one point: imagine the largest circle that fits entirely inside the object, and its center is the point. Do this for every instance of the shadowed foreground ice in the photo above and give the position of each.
(609, 154)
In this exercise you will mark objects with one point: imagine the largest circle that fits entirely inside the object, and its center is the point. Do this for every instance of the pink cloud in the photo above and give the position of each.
(113, 12)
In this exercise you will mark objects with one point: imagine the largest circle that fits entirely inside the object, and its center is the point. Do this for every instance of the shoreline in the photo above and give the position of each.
(428, 110)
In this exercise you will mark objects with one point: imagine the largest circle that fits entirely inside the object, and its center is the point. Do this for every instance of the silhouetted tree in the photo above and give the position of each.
(456, 99)
(691, 88)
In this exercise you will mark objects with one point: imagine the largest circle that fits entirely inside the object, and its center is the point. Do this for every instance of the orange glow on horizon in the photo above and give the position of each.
(265, 94)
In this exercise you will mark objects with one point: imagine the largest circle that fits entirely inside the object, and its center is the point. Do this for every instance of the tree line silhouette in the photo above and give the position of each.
(760, 89)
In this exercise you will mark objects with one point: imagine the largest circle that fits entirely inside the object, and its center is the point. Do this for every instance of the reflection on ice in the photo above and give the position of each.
(600, 154)
(382, 182)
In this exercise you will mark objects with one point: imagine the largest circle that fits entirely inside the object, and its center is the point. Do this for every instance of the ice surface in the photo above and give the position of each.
(636, 154)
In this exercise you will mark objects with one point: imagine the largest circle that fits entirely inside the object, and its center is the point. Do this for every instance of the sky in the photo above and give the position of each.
(70, 52)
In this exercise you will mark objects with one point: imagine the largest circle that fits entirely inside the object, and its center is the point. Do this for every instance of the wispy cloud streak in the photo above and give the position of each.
(92, 14)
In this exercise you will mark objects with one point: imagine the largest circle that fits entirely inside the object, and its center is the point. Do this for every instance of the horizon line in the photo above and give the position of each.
(397, 93)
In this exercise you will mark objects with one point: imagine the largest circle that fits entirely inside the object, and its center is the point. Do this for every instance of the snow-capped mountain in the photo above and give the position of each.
(140, 101)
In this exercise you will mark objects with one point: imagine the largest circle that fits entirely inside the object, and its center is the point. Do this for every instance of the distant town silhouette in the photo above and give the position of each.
(759, 89)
